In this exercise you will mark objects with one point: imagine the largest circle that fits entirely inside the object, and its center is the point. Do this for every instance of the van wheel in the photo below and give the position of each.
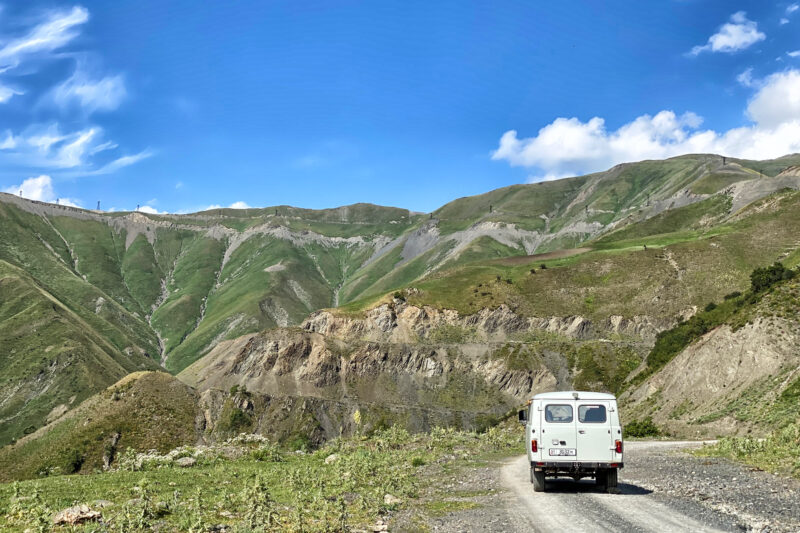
(601, 478)
(537, 478)
(611, 480)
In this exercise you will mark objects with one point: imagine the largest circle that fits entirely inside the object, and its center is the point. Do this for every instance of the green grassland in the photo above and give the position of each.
(165, 294)
(146, 410)
(251, 485)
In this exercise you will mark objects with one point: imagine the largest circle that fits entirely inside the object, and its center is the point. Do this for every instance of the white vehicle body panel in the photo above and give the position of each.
(585, 438)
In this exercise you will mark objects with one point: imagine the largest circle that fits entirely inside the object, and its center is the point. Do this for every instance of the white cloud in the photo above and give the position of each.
(150, 210)
(47, 147)
(746, 77)
(92, 95)
(778, 101)
(179, 185)
(6, 93)
(55, 31)
(572, 147)
(784, 21)
(120, 162)
(40, 188)
(795, 53)
(738, 34)
(792, 8)
(234, 205)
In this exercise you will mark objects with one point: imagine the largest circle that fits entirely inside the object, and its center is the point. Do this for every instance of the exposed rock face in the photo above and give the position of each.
(399, 322)
(696, 390)
(417, 366)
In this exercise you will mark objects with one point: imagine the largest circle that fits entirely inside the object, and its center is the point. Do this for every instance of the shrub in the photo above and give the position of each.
(237, 420)
(543, 266)
(762, 279)
(641, 428)
(732, 295)
(710, 307)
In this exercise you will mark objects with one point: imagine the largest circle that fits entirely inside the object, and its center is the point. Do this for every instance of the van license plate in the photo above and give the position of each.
(562, 451)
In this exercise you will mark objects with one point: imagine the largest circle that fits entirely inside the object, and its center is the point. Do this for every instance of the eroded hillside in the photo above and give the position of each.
(167, 289)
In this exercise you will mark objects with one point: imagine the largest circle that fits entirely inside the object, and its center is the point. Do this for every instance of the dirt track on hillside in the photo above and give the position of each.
(557, 254)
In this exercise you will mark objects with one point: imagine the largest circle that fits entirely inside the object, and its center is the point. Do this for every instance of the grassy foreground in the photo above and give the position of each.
(249, 484)
(778, 453)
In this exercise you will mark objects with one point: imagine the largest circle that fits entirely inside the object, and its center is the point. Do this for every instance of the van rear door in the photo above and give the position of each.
(595, 442)
(559, 431)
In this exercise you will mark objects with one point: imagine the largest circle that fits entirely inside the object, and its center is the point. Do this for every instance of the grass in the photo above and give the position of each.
(779, 452)
(79, 263)
(249, 484)
(146, 410)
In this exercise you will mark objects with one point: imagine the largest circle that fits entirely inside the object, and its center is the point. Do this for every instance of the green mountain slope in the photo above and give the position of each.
(166, 289)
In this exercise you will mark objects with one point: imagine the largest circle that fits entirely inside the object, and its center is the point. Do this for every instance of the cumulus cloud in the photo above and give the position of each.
(784, 21)
(103, 94)
(151, 210)
(792, 8)
(737, 34)
(40, 188)
(568, 146)
(795, 53)
(56, 30)
(234, 205)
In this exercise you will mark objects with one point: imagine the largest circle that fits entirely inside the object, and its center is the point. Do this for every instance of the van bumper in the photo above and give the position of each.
(573, 466)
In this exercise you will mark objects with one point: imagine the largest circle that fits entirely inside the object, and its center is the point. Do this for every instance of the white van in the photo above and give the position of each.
(574, 434)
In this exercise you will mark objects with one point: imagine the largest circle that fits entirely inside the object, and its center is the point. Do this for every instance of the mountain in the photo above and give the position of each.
(90, 296)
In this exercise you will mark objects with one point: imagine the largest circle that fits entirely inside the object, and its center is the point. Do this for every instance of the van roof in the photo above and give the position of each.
(570, 395)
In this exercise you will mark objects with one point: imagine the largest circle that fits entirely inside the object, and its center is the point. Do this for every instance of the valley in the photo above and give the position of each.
(285, 321)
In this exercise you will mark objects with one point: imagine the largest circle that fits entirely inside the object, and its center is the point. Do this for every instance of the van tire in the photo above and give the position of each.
(537, 478)
(601, 478)
(611, 480)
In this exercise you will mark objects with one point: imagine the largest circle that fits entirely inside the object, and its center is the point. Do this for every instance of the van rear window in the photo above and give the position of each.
(591, 414)
(558, 413)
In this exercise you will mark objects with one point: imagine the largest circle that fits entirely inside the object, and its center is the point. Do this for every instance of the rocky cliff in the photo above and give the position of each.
(405, 364)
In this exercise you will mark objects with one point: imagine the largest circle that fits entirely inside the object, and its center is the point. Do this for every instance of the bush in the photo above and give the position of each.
(710, 307)
(641, 428)
(763, 278)
(732, 295)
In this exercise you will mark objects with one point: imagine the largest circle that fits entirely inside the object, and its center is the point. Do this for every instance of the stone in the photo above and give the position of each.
(185, 462)
(388, 499)
(75, 515)
(332, 458)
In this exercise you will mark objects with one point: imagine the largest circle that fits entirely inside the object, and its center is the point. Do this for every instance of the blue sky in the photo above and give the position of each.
(183, 105)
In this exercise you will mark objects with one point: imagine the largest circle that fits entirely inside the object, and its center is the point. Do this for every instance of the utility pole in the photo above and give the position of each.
(20, 193)
(137, 207)
(98, 205)
(57, 199)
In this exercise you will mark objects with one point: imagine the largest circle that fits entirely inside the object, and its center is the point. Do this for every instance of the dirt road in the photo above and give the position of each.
(570, 506)
(661, 489)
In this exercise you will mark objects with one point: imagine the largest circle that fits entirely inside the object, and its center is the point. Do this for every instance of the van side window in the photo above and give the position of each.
(592, 414)
(558, 413)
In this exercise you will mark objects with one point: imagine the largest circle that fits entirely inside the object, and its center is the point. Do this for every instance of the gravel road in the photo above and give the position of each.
(661, 489)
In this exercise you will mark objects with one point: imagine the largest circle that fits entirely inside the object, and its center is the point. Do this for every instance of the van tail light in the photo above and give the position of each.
(618, 446)
(534, 446)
